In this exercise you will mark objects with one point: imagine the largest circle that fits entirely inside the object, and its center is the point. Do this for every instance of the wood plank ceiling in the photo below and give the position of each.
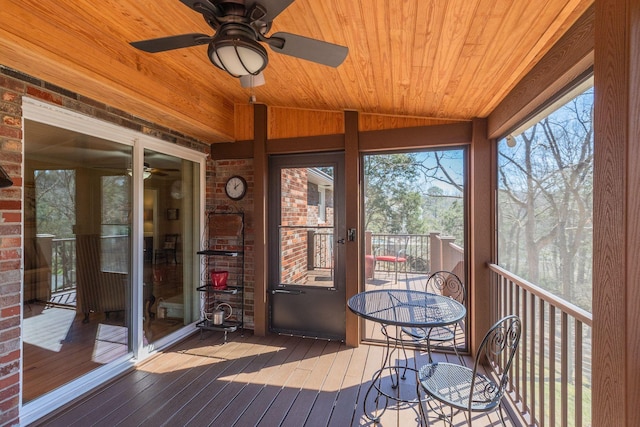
(453, 59)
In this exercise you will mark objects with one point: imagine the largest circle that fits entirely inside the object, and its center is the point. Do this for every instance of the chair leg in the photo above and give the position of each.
(455, 345)
(406, 274)
(421, 411)
(395, 264)
(500, 414)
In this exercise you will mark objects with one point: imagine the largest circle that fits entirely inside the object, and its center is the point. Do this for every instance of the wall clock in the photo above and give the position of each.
(176, 190)
(236, 187)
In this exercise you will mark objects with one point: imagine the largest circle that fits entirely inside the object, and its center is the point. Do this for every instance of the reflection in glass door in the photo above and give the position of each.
(170, 188)
(306, 276)
(77, 264)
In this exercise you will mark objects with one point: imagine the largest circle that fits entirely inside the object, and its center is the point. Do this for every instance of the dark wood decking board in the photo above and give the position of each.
(249, 381)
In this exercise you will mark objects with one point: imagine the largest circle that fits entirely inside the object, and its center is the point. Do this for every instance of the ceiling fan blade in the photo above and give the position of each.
(172, 42)
(310, 49)
(200, 5)
(164, 170)
(273, 7)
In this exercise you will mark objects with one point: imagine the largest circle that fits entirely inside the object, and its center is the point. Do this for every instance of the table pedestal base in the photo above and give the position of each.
(391, 387)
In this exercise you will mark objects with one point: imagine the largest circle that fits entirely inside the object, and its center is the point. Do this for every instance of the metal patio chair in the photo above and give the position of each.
(448, 284)
(465, 389)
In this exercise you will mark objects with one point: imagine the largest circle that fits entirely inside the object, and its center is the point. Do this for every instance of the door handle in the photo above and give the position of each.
(286, 291)
(341, 241)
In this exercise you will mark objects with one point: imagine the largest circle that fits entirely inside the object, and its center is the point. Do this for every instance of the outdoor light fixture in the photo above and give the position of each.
(234, 51)
(5, 181)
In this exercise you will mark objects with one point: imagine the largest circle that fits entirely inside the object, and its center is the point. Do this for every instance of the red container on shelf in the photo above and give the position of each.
(219, 279)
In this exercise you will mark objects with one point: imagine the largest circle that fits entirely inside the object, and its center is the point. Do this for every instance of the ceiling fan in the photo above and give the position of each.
(239, 25)
(148, 171)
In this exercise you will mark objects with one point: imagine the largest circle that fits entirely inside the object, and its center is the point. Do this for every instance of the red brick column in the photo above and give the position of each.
(10, 249)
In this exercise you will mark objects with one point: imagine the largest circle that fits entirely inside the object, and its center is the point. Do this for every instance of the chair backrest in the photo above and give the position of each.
(392, 245)
(496, 353)
(448, 284)
(170, 241)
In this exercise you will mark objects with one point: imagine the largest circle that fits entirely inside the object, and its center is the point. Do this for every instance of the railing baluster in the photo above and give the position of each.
(578, 374)
(539, 415)
(564, 368)
(532, 354)
(552, 348)
(552, 366)
(514, 307)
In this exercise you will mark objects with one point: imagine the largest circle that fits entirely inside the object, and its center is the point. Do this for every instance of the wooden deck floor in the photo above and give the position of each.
(249, 381)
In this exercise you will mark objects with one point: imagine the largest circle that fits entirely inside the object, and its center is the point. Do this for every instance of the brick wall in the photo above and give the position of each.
(11, 91)
(13, 86)
(218, 201)
(293, 205)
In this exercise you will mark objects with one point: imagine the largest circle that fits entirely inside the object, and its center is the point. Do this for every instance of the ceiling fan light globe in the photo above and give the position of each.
(238, 57)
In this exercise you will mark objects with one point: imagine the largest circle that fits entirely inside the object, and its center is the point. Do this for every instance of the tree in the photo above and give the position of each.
(405, 193)
(55, 192)
(392, 202)
(545, 201)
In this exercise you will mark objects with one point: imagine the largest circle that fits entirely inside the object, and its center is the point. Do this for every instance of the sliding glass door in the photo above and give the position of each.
(77, 256)
(111, 224)
(170, 186)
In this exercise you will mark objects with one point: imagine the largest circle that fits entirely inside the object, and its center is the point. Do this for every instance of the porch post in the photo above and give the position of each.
(616, 213)
(354, 276)
(445, 253)
(481, 226)
(260, 173)
(435, 252)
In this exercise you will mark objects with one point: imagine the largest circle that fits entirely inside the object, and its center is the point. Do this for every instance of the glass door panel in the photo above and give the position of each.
(170, 191)
(77, 264)
(307, 292)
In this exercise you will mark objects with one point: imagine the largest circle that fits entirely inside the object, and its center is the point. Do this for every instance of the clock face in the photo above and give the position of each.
(176, 190)
(236, 187)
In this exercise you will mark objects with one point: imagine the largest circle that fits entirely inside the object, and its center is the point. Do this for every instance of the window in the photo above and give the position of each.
(545, 200)
(115, 224)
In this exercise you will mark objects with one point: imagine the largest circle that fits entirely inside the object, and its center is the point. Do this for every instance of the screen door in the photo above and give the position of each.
(307, 244)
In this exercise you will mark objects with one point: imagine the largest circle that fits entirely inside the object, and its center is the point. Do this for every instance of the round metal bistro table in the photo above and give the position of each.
(400, 308)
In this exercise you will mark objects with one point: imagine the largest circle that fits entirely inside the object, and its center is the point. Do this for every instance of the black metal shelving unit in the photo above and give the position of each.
(225, 251)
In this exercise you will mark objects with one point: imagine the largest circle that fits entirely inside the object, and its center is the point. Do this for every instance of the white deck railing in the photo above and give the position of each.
(551, 376)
